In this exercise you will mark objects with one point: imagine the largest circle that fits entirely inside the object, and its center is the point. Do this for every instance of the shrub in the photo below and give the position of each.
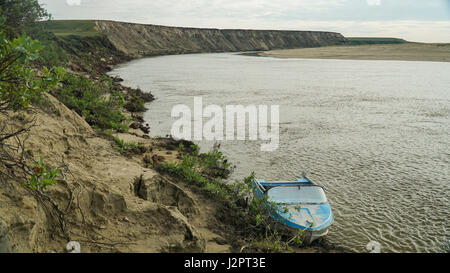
(51, 54)
(19, 84)
(123, 146)
(136, 100)
(98, 102)
(22, 16)
(42, 176)
(198, 169)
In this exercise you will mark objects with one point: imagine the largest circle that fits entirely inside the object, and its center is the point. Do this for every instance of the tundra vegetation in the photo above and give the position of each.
(207, 172)
(374, 40)
(99, 103)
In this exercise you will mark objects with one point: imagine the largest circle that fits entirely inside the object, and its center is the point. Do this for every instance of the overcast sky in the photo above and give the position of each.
(414, 20)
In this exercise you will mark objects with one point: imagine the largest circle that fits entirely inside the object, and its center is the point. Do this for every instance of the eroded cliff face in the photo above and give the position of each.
(110, 202)
(137, 40)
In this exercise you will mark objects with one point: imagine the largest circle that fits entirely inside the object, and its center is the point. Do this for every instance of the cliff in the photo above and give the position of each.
(137, 40)
(105, 210)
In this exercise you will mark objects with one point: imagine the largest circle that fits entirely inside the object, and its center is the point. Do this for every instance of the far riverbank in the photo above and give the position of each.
(399, 52)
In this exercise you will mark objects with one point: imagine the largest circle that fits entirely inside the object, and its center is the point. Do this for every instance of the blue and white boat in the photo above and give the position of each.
(299, 204)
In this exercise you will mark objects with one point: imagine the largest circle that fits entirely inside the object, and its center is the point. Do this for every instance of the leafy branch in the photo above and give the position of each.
(42, 176)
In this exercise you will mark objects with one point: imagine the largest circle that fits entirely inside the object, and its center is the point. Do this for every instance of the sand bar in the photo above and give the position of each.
(404, 52)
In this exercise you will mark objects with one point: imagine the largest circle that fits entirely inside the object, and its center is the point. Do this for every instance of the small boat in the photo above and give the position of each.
(298, 204)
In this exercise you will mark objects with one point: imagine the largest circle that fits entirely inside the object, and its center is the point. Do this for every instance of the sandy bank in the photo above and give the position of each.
(403, 52)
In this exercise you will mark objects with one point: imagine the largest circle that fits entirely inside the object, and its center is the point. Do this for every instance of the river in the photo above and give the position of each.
(375, 134)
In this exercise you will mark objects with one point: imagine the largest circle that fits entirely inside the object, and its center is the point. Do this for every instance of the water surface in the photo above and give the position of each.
(375, 134)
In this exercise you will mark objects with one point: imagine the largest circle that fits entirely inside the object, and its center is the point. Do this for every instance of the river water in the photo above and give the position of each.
(375, 134)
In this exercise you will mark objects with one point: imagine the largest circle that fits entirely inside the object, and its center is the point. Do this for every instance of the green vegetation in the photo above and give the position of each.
(27, 17)
(192, 169)
(202, 170)
(136, 100)
(20, 84)
(374, 40)
(276, 238)
(23, 58)
(42, 176)
(21, 16)
(82, 28)
(206, 171)
(124, 147)
(99, 102)
(51, 53)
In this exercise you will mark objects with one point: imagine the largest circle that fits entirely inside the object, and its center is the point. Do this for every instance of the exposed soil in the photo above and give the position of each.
(118, 205)
(137, 40)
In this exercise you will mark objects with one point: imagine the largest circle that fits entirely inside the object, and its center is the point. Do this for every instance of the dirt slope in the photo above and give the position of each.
(117, 205)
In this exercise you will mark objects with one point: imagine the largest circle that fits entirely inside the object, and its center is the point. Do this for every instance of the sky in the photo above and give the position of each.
(413, 20)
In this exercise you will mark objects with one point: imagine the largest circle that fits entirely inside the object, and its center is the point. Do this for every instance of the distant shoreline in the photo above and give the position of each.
(398, 52)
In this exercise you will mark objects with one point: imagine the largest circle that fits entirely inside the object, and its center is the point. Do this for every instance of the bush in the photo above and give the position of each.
(136, 100)
(42, 176)
(52, 54)
(19, 84)
(201, 170)
(22, 16)
(99, 103)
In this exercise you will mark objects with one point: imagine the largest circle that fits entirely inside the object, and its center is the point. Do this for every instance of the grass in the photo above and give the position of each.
(374, 40)
(123, 147)
(82, 28)
(206, 171)
(136, 100)
(98, 102)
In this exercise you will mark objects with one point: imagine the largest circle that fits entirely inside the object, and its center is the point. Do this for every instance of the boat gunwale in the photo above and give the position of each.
(263, 190)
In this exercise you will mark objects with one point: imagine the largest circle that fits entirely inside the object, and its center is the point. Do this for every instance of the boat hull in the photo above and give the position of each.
(308, 236)
(313, 219)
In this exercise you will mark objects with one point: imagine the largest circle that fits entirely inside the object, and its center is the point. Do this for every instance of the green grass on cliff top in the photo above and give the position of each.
(374, 40)
(81, 28)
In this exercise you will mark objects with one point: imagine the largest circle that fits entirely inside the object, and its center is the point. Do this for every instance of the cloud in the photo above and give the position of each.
(411, 30)
(415, 20)
(73, 2)
(373, 2)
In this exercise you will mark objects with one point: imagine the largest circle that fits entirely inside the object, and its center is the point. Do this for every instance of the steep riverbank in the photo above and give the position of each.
(110, 201)
(138, 40)
(97, 45)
